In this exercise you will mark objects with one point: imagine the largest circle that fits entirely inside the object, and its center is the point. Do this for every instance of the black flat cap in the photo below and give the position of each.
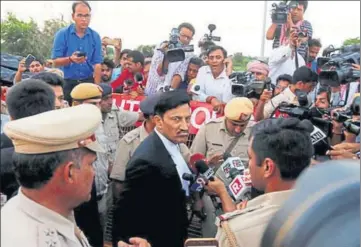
(107, 89)
(148, 104)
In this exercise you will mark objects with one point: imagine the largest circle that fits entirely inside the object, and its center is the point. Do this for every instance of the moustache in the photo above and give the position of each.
(183, 133)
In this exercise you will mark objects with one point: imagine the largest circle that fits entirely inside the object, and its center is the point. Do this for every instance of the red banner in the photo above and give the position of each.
(201, 112)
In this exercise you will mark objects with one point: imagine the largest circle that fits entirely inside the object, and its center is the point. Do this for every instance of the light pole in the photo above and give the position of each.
(264, 29)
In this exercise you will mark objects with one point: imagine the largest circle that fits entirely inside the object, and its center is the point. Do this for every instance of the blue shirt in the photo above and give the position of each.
(116, 73)
(67, 42)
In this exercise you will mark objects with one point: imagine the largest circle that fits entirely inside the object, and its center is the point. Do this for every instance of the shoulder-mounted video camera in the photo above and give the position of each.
(244, 84)
(336, 65)
(208, 39)
(176, 50)
(279, 12)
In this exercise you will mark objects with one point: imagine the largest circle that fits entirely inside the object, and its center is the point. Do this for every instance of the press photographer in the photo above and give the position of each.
(284, 18)
(340, 70)
(283, 60)
(303, 80)
(162, 69)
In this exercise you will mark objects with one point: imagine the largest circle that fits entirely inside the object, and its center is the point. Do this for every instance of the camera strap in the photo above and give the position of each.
(296, 58)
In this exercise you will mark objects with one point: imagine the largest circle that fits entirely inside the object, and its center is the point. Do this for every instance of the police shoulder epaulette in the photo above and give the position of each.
(47, 236)
(231, 215)
(131, 136)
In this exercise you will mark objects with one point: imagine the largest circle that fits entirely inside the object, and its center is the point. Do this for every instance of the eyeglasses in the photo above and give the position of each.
(185, 36)
(80, 16)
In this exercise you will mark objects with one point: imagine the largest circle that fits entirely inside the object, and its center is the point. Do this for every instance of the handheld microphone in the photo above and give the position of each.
(195, 89)
(139, 79)
(189, 177)
(204, 170)
(204, 174)
(239, 187)
(223, 172)
(195, 157)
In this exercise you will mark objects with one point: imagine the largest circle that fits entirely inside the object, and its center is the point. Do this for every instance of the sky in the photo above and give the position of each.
(239, 23)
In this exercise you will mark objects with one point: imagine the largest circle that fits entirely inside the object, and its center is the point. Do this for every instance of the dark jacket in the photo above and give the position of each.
(153, 203)
(8, 183)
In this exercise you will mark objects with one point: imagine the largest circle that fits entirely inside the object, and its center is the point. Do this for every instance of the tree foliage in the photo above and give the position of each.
(21, 38)
(147, 50)
(240, 62)
(351, 41)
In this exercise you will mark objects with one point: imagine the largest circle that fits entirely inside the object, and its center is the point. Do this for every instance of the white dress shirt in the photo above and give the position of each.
(281, 62)
(174, 151)
(286, 96)
(220, 87)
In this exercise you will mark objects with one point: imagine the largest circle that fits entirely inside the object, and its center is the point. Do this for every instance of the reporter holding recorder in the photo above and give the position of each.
(77, 50)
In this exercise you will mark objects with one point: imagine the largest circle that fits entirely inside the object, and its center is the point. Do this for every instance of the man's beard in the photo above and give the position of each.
(105, 78)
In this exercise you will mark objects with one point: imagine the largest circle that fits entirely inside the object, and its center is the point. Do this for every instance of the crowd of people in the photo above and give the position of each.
(69, 170)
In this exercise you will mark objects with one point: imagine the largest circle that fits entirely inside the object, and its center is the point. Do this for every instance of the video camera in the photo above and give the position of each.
(336, 68)
(244, 84)
(207, 40)
(176, 50)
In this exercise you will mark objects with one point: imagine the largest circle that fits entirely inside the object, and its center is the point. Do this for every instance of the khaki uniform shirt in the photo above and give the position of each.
(285, 96)
(108, 135)
(126, 147)
(26, 223)
(213, 138)
(249, 224)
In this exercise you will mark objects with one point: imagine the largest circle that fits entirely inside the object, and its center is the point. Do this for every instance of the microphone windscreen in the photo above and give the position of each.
(234, 172)
(201, 166)
(195, 157)
(138, 77)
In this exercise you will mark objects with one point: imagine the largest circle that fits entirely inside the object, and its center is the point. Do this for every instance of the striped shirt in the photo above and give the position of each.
(156, 81)
(303, 26)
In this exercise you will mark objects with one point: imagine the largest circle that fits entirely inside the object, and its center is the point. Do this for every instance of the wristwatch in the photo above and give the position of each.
(357, 156)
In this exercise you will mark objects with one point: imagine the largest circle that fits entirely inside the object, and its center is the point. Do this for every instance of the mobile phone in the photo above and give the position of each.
(28, 60)
(201, 242)
(81, 54)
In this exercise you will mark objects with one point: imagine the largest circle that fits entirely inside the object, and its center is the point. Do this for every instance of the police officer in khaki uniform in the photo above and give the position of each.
(228, 134)
(54, 152)
(129, 143)
(108, 134)
(279, 150)
(53, 159)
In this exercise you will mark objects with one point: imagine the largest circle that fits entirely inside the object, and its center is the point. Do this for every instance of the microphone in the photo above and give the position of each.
(204, 170)
(127, 85)
(195, 157)
(204, 174)
(189, 177)
(240, 187)
(223, 172)
(195, 89)
(139, 79)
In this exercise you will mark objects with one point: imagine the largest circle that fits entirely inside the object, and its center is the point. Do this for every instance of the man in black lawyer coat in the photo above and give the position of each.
(153, 202)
